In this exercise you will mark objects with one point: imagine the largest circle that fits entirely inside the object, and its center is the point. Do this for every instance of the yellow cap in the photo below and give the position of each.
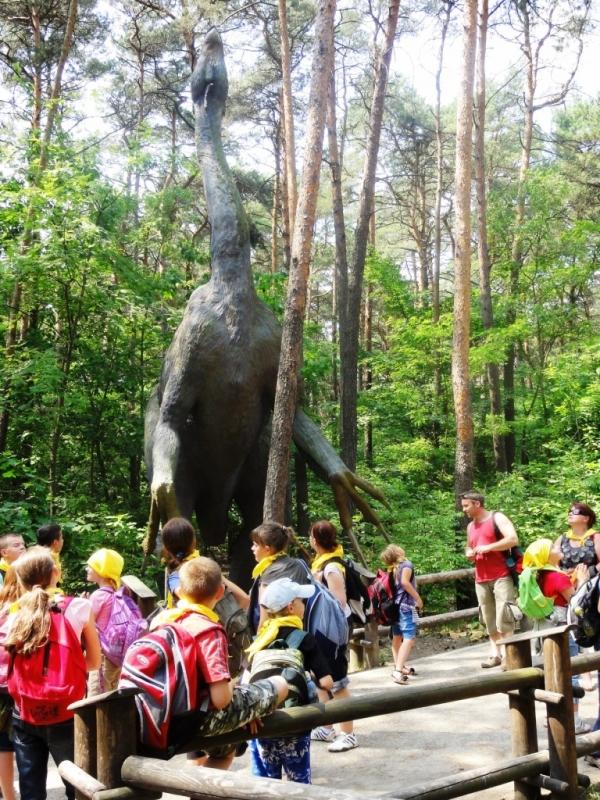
(108, 564)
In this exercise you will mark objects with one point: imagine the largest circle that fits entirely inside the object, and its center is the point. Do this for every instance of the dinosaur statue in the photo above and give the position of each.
(207, 423)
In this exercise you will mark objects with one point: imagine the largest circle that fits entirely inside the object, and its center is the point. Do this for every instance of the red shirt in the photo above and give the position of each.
(553, 584)
(488, 566)
(212, 654)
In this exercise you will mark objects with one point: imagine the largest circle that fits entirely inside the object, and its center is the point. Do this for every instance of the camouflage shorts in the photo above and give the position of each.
(250, 701)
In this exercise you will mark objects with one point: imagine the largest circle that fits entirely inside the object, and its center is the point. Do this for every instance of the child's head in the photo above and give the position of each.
(324, 534)
(393, 555)
(50, 536)
(179, 540)
(35, 567)
(284, 597)
(200, 581)
(104, 567)
(270, 538)
(11, 547)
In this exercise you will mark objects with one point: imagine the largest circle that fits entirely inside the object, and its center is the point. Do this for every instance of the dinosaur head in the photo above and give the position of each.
(209, 80)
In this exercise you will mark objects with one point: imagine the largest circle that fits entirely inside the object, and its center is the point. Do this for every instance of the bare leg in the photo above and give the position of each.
(403, 653)
(396, 642)
(345, 727)
(7, 775)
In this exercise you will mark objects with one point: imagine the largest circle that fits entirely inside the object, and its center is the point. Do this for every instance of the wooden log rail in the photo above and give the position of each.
(364, 645)
(111, 731)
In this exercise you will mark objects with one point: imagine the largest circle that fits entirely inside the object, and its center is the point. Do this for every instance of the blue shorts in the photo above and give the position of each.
(406, 626)
(289, 755)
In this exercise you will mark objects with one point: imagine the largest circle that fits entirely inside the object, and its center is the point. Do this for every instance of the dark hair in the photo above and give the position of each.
(586, 511)
(48, 534)
(476, 497)
(199, 579)
(324, 534)
(178, 538)
(273, 535)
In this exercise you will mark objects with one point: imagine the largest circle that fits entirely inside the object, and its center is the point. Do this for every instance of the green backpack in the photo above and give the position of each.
(531, 601)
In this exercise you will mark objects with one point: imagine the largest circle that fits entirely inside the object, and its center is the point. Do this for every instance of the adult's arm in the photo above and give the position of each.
(91, 644)
(509, 536)
(241, 597)
(337, 586)
(469, 551)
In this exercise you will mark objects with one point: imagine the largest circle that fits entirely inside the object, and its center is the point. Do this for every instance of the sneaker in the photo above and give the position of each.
(503, 665)
(345, 741)
(492, 661)
(322, 735)
(582, 727)
(593, 760)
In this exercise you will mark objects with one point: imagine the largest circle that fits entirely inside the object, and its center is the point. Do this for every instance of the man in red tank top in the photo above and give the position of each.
(493, 581)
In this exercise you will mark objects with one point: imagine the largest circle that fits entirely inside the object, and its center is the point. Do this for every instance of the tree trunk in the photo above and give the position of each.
(302, 515)
(293, 322)
(276, 192)
(349, 333)
(487, 316)
(288, 116)
(462, 262)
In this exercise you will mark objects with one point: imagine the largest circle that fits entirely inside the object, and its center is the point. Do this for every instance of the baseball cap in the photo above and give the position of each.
(281, 592)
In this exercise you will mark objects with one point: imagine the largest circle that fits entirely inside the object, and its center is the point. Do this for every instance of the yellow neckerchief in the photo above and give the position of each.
(183, 608)
(53, 591)
(270, 631)
(320, 561)
(264, 563)
(170, 598)
(56, 557)
(4, 565)
(586, 535)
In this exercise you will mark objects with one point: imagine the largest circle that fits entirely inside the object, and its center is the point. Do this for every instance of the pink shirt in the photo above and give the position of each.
(488, 566)
(102, 603)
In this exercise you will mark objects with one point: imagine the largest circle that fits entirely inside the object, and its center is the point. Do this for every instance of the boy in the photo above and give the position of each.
(11, 547)
(221, 706)
(282, 599)
(50, 537)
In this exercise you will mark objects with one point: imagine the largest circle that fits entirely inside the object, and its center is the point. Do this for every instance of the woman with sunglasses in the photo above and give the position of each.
(580, 545)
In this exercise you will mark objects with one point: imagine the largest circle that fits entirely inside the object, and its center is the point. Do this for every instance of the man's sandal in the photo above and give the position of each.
(399, 678)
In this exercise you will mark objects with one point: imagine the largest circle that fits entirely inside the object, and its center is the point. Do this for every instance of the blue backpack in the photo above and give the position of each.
(325, 619)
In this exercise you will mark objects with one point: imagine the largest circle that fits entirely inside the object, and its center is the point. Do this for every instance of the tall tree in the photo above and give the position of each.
(349, 320)
(286, 395)
(463, 471)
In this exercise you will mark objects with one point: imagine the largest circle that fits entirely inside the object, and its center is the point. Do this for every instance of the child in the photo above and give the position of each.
(220, 706)
(282, 600)
(179, 546)
(9, 594)
(104, 567)
(11, 547)
(29, 627)
(50, 537)
(404, 632)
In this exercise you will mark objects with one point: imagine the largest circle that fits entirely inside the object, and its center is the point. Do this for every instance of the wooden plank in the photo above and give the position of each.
(138, 587)
(213, 784)
(117, 739)
(114, 695)
(539, 695)
(127, 793)
(82, 782)
(543, 634)
(425, 622)
(561, 725)
(85, 743)
(523, 730)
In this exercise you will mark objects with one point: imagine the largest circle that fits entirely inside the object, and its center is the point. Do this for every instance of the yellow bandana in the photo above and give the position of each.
(171, 615)
(587, 535)
(270, 631)
(4, 565)
(320, 561)
(264, 563)
(537, 554)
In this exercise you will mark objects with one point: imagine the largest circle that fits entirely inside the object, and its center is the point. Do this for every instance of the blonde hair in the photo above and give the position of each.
(199, 579)
(31, 626)
(393, 556)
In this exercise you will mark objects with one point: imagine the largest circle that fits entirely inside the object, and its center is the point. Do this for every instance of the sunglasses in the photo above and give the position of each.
(575, 512)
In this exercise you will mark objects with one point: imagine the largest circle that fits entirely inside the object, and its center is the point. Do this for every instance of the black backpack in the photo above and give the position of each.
(357, 594)
(583, 612)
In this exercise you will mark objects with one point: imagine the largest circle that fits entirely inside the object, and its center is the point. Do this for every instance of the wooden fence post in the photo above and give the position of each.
(85, 743)
(523, 729)
(116, 738)
(561, 725)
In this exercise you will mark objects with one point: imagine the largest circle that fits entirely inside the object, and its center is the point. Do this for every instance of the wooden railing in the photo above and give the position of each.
(107, 768)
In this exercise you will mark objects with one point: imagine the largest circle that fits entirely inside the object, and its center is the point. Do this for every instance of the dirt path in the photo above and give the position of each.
(398, 750)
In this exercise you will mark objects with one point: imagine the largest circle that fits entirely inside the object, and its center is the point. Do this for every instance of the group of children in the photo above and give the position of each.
(30, 599)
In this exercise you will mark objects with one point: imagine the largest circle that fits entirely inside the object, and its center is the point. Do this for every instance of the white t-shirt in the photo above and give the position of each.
(327, 570)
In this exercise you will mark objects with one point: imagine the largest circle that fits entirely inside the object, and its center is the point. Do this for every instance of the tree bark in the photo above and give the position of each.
(462, 261)
(288, 116)
(286, 395)
(487, 315)
(349, 333)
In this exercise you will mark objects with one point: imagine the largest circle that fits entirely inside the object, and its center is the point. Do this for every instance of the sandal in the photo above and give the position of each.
(399, 678)
(409, 671)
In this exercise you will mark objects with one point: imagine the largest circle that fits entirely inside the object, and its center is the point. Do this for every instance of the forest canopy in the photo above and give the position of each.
(105, 233)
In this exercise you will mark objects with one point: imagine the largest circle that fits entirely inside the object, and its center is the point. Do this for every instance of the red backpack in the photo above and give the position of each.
(381, 592)
(124, 626)
(46, 682)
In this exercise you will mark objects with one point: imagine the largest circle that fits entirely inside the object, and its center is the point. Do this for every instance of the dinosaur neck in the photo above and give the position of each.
(229, 238)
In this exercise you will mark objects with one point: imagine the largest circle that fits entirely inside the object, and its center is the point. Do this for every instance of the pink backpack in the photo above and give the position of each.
(125, 625)
(46, 682)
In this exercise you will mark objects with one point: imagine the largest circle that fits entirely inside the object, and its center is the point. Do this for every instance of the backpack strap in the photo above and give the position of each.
(295, 639)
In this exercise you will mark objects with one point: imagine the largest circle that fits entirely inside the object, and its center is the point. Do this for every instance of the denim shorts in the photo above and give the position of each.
(341, 684)
(406, 626)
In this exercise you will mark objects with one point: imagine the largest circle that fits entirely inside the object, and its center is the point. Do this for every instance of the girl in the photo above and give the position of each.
(179, 546)
(29, 626)
(323, 540)
(404, 632)
(9, 593)
(269, 544)
(104, 567)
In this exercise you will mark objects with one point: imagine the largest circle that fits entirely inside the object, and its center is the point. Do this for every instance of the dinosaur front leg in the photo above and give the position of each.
(344, 483)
